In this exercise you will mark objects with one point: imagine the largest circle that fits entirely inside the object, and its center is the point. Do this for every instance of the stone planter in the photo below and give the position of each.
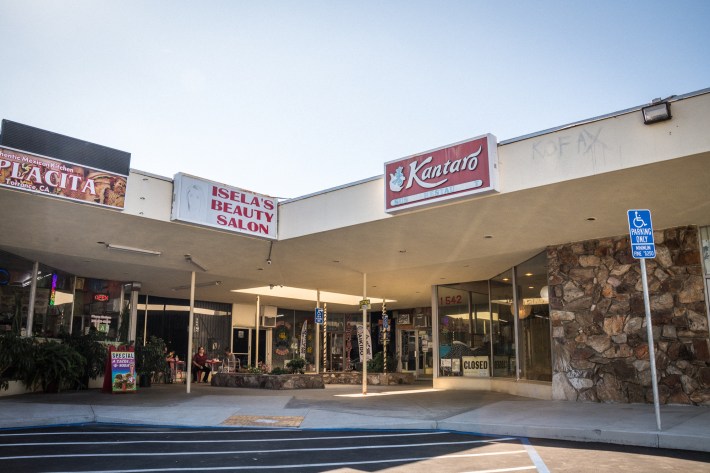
(374, 379)
(306, 381)
(268, 381)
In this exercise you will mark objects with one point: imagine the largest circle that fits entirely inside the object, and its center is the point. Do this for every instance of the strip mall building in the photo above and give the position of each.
(503, 266)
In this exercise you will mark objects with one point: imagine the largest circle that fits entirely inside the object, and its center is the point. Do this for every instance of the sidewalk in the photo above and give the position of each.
(384, 407)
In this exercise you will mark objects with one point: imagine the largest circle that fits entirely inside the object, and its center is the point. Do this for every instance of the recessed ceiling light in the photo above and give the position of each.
(531, 287)
(402, 251)
(488, 236)
(259, 269)
(528, 274)
(591, 219)
(506, 279)
(336, 261)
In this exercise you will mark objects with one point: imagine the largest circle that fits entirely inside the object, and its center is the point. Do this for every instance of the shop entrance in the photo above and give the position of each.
(244, 345)
(417, 352)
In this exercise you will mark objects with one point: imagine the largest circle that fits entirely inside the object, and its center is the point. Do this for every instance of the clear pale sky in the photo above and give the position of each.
(288, 98)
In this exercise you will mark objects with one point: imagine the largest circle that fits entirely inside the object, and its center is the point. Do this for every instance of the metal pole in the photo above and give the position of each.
(651, 351)
(190, 331)
(145, 321)
(364, 335)
(134, 315)
(316, 352)
(73, 299)
(31, 306)
(385, 331)
(325, 337)
(258, 310)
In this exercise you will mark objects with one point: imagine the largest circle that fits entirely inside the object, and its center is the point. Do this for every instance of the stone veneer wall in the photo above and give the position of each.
(599, 341)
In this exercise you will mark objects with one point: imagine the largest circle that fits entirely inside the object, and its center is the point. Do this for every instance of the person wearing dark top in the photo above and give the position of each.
(199, 363)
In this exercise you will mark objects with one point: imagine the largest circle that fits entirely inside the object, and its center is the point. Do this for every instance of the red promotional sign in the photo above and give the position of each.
(461, 169)
(101, 297)
(34, 173)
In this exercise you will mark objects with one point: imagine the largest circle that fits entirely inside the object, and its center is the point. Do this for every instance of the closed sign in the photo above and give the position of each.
(476, 366)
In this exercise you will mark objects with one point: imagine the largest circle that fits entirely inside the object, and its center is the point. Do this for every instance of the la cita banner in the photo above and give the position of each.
(62, 179)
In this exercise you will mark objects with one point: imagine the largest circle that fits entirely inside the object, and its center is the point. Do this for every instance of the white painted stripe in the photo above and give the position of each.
(534, 456)
(501, 470)
(119, 432)
(307, 465)
(233, 452)
(121, 442)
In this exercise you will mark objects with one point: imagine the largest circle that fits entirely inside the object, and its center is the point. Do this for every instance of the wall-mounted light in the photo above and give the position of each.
(657, 112)
(191, 259)
(130, 249)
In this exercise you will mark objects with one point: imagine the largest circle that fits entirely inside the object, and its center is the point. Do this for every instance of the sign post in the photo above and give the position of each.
(642, 247)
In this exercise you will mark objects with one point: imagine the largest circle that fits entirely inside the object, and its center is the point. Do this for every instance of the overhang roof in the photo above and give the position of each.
(403, 255)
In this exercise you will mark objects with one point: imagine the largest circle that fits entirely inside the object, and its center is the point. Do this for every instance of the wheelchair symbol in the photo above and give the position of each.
(638, 221)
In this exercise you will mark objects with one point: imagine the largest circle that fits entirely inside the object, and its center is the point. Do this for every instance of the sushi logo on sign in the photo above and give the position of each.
(458, 170)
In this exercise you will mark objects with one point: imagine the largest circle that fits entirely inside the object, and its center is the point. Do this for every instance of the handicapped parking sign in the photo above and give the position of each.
(641, 233)
(319, 315)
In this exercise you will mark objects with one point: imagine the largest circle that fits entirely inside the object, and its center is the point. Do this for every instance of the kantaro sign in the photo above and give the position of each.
(461, 169)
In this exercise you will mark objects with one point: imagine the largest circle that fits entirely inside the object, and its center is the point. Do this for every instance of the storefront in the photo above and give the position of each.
(498, 328)
(504, 265)
(52, 301)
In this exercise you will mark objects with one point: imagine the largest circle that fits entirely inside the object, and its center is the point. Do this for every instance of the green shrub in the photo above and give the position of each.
(55, 366)
(296, 365)
(16, 357)
(150, 358)
(279, 370)
(94, 352)
(377, 364)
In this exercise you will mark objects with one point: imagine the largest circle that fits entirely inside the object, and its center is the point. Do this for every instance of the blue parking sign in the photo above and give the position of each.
(641, 233)
(319, 315)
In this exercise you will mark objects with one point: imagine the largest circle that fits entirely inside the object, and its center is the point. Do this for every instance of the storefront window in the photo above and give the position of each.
(465, 327)
(503, 325)
(477, 325)
(293, 337)
(97, 305)
(534, 320)
(15, 281)
(53, 302)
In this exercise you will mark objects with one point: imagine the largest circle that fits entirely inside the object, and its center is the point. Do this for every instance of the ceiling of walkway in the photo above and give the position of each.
(403, 256)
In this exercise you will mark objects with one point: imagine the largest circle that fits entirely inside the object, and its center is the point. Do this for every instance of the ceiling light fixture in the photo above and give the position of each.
(202, 284)
(268, 258)
(191, 259)
(130, 249)
(658, 111)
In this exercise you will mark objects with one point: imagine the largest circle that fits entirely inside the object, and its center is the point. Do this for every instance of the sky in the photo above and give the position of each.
(288, 98)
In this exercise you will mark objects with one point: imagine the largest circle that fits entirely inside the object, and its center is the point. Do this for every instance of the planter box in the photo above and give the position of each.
(375, 379)
(268, 381)
(306, 381)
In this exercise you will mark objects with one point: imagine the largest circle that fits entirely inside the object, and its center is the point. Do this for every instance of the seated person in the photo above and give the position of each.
(199, 364)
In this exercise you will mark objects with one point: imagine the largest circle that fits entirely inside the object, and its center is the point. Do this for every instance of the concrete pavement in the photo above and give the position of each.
(384, 407)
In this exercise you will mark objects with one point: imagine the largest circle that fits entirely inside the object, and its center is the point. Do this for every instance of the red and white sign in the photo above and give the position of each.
(454, 171)
(216, 205)
(34, 173)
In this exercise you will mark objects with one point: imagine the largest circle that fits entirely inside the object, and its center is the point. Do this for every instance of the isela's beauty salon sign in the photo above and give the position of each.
(216, 205)
(458, 170)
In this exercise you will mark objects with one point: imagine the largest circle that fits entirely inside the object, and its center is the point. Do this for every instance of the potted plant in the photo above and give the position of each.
(296, 365)
(150, 359)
